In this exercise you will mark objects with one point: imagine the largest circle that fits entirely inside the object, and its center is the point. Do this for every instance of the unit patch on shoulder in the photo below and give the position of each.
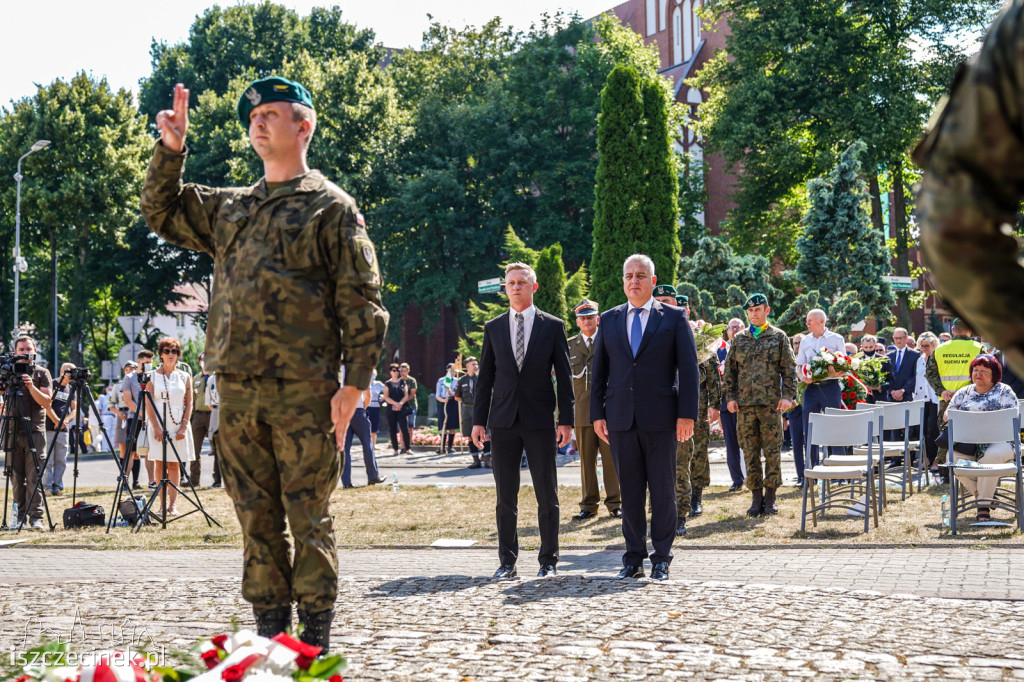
(368, 254)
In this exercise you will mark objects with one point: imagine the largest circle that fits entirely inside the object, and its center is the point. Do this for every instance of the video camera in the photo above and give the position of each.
(14, 366)
(78, 374)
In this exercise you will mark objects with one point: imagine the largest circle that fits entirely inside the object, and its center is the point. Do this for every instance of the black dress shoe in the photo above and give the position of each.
(475, 465)
(617, 513)
(546, 570)
(630, 572)
(736, 487)
(584, 514)
(660, 571)
(506, 571)
(346, 486)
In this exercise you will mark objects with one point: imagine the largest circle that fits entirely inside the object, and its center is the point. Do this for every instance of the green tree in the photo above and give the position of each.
(550, 296)
(800, 81)
(839, 249)
(618, 213)
(660, 200)
(78, 202)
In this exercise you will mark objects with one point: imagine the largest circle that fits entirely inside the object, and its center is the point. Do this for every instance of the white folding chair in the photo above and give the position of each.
(900, 416)
(857, 454)
(842, 485)
(999, 426)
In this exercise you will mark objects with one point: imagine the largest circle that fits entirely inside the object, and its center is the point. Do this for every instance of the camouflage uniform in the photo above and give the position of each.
(296, 293)
(758, 374)
(581, 360)
(973, 158)
(692, 467)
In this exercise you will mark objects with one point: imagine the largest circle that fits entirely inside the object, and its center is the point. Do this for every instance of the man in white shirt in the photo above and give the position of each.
(819, 394)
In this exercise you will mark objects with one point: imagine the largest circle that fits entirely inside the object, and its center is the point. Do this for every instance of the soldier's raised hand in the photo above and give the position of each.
(173, 123)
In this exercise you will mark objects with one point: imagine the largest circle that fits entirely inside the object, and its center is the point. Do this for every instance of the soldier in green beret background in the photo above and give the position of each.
(296, 298)
(683, 302)
(760, 370)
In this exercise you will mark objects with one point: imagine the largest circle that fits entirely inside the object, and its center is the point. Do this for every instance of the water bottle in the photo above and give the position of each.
(600, 480)
(15, 511)
(945, 511)
(394, 482)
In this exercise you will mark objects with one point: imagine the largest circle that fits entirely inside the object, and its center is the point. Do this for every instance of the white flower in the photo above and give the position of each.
(855, 364)
(827, 357)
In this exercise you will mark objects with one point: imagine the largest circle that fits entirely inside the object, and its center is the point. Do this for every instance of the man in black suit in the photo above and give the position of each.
(901, 375)
(644, 399)
(516, 399)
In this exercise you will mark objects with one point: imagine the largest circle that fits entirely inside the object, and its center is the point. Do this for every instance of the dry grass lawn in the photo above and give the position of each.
(416, 516)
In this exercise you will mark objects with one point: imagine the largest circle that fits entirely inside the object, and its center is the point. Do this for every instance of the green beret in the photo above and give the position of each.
(682, 299)
(664, 290)
(958, 322)
(272, 89)
(755, 300)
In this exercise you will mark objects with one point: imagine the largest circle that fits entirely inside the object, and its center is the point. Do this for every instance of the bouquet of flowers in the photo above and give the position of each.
(240, 656)
(871, 370)
(854, 391)
(707, 337)
(818, 369)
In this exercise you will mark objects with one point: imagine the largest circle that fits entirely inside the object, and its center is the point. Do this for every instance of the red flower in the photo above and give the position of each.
(211, 658)
(234, 673)
(219, 640)
(336, 678)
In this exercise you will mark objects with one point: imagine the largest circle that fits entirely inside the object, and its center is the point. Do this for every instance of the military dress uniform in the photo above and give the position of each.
(296, 294)
(973, 182)
(759, 372)
(581, 360)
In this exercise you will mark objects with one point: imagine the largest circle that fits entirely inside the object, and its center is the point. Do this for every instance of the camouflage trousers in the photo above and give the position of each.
(684, 451)
(759, 429)
(700, 467)
(280, 463)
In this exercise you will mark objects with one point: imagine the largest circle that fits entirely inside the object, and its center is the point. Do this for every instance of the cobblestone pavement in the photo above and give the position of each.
(566, 628)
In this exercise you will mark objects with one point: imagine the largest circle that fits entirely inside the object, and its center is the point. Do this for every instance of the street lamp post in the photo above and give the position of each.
(20, 265)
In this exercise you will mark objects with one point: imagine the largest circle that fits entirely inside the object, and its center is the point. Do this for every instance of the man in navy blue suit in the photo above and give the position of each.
(902, 371)
(643, 399)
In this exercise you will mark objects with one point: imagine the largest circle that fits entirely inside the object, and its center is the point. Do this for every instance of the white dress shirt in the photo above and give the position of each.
(811, 345)
(529, 315)
(645, 314)
(589, 341)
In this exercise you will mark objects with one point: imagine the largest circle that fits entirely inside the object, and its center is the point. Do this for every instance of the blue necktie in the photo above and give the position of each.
(899, 360)
(636, 332)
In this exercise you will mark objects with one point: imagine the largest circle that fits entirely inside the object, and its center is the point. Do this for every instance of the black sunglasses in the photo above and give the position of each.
(170, 351)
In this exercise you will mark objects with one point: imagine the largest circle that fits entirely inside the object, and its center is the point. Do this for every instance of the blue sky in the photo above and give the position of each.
(50, 39)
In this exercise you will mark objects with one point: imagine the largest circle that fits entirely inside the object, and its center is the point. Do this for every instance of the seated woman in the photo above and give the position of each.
(985, 393)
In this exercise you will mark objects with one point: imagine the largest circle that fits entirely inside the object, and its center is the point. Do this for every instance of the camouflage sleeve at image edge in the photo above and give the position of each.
(973, 158)
(787, 367)
(713, 382)
(357, 301)
(182, 214)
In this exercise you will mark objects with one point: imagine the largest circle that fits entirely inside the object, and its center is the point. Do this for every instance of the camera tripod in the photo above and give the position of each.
(138, 423)
(15, 422)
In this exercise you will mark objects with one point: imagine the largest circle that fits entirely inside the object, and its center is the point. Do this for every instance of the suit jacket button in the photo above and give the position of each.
(631, 388)
(634, 364)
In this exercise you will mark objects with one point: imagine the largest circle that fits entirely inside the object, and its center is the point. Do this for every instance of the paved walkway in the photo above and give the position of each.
(434, 615)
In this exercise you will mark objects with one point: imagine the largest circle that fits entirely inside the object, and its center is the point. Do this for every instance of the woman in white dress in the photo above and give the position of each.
(172, 387)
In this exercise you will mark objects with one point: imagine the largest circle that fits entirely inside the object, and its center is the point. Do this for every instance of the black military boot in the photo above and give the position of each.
(696, 503)
(681, 527)
(769, 502)
(757, 505)
(476, 462)
(316, 628)
(270, 622)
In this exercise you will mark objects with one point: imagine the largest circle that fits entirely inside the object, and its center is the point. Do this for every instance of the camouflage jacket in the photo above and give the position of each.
(710, 387)
(973, 158)
(760, 371)
(296, 288)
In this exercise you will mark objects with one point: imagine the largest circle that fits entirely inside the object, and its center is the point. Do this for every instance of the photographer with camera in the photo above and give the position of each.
(31, 401)
(131, 387)
(61, 404)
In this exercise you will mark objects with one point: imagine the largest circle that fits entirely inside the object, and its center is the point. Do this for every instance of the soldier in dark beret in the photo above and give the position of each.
(296, 311)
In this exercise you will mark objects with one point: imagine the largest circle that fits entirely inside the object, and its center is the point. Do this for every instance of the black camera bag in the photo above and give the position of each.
(130, 510)
(83, 514)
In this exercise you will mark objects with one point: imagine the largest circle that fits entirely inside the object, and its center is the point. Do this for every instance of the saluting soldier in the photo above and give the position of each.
(760, 370)
(581, 359)
(296, 297)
